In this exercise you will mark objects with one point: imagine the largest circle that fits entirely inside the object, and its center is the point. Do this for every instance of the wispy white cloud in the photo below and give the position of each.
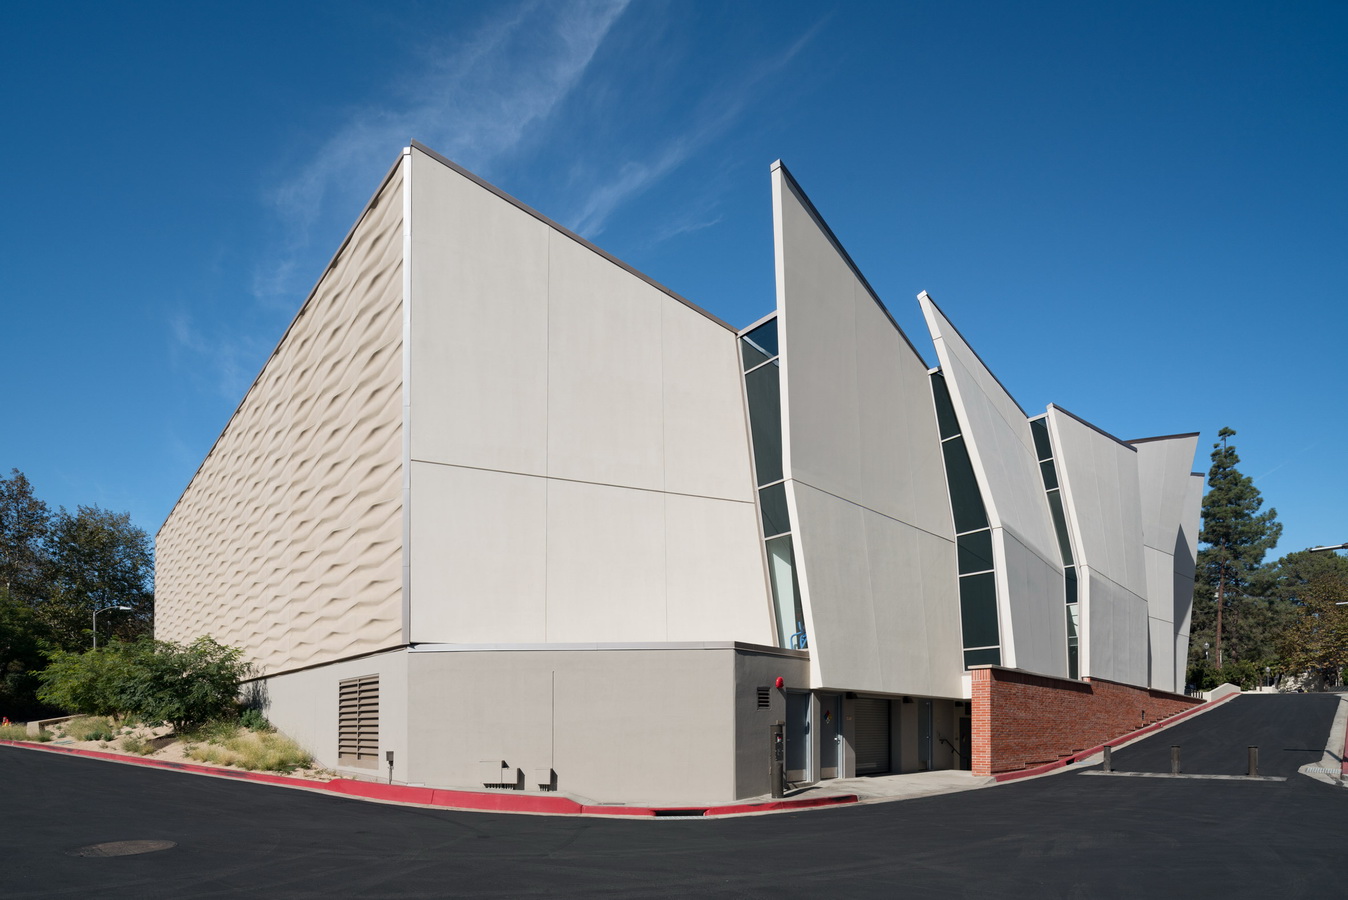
(227, 361)
(712, 118)
(475, 101)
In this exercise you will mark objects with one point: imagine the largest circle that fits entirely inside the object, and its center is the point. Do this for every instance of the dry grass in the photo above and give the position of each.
(253, 750)
(88, 728)
(138, 744)
(19, 732)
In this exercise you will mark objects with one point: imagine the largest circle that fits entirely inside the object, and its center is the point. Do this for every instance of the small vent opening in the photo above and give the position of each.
(765, 698)
(358, 722)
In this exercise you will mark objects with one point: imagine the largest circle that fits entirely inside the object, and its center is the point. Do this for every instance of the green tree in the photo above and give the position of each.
(97, 559)
(1229, 604)
(22, 646)
(90, 683)
(24, 525)
(1317, 642)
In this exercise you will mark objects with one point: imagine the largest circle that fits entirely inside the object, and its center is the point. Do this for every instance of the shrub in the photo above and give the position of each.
(253, 720)
(87, 683)
(151, 681)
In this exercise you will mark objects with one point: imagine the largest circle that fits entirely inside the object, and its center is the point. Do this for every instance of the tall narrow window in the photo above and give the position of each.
(1048, 471)
(973, 538)
(762, 387)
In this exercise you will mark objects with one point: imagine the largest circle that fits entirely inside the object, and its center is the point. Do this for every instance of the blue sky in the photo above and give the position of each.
(1136, 211)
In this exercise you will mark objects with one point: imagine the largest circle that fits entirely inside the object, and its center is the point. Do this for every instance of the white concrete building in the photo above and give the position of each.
(509, 510)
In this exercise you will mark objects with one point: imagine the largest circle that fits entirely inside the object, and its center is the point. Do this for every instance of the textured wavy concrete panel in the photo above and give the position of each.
(288, 540)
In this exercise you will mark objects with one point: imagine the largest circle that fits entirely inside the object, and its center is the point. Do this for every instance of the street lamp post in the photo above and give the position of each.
(99, 609)
(1331, 548)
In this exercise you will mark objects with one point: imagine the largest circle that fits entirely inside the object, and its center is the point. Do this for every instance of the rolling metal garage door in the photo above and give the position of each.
(871, 718)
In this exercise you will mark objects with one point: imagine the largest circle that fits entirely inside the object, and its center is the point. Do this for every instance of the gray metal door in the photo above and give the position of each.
(797, 736)
(830, 736)
(871, 719)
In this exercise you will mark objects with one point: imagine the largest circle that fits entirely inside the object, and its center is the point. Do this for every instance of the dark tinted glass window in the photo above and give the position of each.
(965, 500)
(772, 501)
(989, 657)
(1050, 474)
(764, 337)
(765, 421)
(978, 609)
(752, 355)
(1070, 575)
(1060, 526)
(975, 551)
(945, 410)
(1042, 446)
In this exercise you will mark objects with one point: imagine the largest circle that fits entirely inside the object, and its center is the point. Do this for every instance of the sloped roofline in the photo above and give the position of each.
(365, 210)
(1165, 437)
(1096, 428)
(526, 208)
(369, 205)
(842, 251)
(974, 351)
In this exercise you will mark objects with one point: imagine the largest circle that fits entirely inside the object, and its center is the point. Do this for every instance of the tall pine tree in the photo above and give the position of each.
(1228, 612)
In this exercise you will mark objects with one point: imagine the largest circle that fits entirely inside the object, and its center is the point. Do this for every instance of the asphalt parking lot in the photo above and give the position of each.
(1067, 835)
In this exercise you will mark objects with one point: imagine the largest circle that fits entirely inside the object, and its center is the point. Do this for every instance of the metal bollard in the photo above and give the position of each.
(1174, 759)
(1109, 760)
(1254, 762)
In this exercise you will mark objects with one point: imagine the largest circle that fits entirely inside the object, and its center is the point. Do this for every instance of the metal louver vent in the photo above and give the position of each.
(358, 721)
(764, 698)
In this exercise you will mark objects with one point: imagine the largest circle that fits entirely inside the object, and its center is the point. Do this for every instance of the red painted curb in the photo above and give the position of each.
(452, 799)
(1114, 742)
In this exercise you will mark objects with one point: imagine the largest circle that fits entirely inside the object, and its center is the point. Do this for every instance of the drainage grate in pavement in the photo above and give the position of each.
(1321, 770)
(120, 848)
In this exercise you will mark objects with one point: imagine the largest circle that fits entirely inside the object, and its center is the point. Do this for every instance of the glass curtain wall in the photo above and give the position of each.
(762, 387)
(1049, 472)
(973, 538)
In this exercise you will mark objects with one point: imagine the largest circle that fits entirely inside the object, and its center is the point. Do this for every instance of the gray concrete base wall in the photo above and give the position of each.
(654, 726)
(303, 706)
(753, 725)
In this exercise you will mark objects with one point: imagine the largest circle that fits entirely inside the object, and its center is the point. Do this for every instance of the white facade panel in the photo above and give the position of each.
(1099, 478)
(858, 414)
(556, 395)
(1114, 639)
(997, 434)
(1001, 448)
(478, 556)
(714, 572)
(706, 441)
(479, 325)
(1032, 607)
(605, 381)
(869, 630)
(863, 462)
(606, 563)
(1161, 663)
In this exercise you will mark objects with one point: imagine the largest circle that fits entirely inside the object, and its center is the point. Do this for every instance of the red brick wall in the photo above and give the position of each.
(1022, 720)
